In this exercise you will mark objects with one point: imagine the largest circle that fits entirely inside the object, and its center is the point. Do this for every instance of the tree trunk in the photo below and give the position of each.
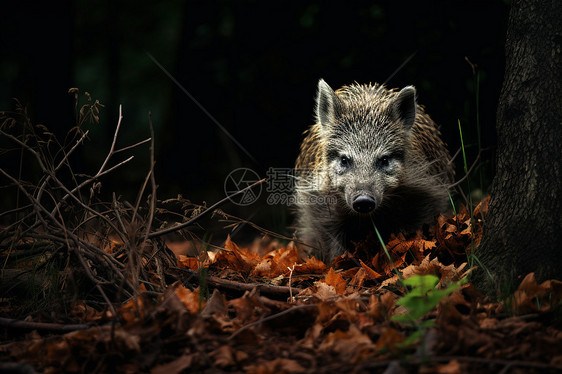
(523, 229)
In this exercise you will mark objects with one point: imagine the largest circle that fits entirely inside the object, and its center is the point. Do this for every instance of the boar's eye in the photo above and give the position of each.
(383, 162)
(345, 161)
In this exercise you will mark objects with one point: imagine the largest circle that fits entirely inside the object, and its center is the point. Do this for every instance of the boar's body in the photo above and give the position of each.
(373, 157)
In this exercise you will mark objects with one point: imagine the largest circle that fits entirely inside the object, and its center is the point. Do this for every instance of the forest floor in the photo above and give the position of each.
(265, 309)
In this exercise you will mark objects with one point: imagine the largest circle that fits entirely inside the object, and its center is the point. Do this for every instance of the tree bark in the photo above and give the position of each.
(523, 229)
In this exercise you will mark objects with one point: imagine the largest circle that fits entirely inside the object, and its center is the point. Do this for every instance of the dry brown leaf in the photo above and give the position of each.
(235, 258)
(189, 298)
(335, 280)
(417, 246)
(387, 282)
(371, 274)
(131, 310)
(223, 356)
(448, 234)
(323, 291)
(58, 352)
(381, 306)
(481, 209)
(216, 304)
(85, 312)
(358, 279)
(389, 338)
(277, 262)
(248, 308)
(348, 343)
(278, 365)
(187, 262)
(531, 297)
(174, 367)
(452, 367)
(184, 247)
(381, 263)
(427, 266)
(311, 266)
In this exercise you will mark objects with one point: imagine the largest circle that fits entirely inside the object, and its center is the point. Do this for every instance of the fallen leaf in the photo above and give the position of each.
(452, 367)
(531, 297)
(352, 345)
(174, 367)
(278, 263)
(223, 356)
(187, 262)
(278, 365)
(235, 258)
(381, 306)
(335, 280)
(388, 339)
(216, 304)
(190, 299)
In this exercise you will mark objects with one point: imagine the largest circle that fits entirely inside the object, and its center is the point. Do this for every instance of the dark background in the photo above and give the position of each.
(253, 65)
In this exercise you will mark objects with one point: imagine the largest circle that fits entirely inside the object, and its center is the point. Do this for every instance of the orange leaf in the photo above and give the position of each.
(335, 280)
(235, 258)
(132, 310)
(531, 297)
(481, 209)
(311, 266)
(188, 298)
(370, 272)
(277, 262)
(176, 366)
(389, 338)
(351, 343)
(452, 367)
(381, 306)
(187, 262)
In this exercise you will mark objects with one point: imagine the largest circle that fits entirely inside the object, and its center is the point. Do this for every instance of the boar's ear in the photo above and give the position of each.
(327, 104)
(404, 107)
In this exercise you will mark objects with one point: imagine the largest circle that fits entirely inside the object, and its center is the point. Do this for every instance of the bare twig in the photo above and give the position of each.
(102, 171)
(90, 180)
(225, 284)
(64, 159)
(84, 206)
(468, 171)
(132, 146)
(27, 147)
(113, 142)
(455, 156)
(79, 242)
(261, 229)
(16, 210)
(42, 326)
(205, 212)
(152, 181)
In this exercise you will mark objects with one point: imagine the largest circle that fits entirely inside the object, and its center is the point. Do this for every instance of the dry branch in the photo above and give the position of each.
(204, 213)
(42, 326)
(229, 285)
(58, 214)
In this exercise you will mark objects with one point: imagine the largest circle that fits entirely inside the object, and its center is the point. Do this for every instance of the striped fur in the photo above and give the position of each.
(373, 141)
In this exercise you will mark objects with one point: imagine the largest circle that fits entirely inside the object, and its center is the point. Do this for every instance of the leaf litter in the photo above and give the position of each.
(236, 310)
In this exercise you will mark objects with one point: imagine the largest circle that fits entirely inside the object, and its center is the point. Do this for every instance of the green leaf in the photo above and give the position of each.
(423, 297)
(411, 339)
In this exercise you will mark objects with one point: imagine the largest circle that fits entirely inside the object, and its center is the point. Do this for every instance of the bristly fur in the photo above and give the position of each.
(368, 140)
